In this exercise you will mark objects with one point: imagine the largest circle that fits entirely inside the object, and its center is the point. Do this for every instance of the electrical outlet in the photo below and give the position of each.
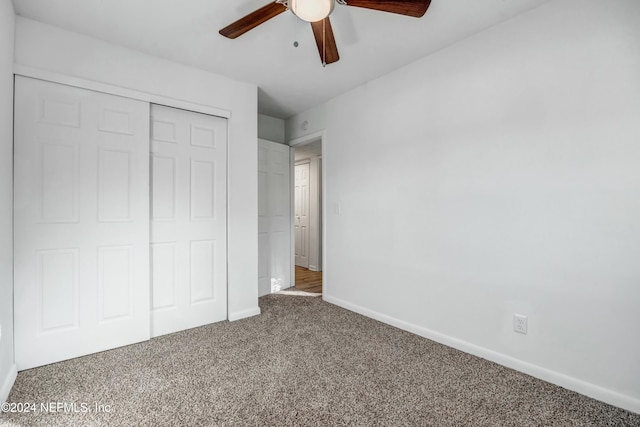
(520, 323)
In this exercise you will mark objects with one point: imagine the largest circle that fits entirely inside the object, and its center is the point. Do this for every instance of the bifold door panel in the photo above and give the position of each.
(188, 219)
(81, 221)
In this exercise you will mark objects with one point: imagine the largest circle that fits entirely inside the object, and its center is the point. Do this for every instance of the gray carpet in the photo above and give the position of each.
(303, 362)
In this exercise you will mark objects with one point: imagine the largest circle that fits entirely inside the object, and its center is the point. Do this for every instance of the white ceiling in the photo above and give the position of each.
(290, 79)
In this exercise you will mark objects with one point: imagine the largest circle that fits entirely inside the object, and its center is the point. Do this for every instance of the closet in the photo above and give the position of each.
(113, 244)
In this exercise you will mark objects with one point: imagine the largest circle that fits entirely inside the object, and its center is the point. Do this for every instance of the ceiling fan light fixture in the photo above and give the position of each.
(311, 10)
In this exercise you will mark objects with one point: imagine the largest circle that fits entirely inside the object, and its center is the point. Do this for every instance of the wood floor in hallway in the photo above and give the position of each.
(308, 281)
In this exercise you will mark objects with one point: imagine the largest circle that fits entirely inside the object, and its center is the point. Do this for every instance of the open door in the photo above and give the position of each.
(274, 217)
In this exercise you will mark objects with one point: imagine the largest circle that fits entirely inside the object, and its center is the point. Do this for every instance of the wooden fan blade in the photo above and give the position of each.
(415, 8)
(252, 20)
(325, 40)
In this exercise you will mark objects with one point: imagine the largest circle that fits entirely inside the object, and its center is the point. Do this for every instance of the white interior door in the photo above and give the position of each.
(274, 217)
(81, 222)
(301, 213)
(188, 219)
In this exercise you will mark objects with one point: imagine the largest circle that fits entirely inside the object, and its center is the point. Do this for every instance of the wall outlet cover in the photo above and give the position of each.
(520, 323)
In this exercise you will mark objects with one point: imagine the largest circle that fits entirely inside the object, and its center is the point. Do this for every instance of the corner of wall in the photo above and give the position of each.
(7, 384)
(271, 128)
(306, 123)
(7, 39)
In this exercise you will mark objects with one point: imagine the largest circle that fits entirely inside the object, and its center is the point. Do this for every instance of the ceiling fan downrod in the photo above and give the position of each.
(324, 45)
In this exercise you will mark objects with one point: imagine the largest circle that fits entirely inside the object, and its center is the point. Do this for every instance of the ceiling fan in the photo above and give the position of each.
(317, 13)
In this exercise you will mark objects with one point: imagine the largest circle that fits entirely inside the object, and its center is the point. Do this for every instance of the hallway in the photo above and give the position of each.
(308, 281)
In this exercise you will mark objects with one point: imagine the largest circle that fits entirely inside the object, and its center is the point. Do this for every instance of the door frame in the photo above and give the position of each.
(82, 83)
(299, 142)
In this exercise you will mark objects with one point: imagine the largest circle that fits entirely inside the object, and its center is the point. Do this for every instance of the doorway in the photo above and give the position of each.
(307, 215)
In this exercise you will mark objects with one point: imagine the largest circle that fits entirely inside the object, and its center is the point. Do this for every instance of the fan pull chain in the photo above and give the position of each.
(324, 46)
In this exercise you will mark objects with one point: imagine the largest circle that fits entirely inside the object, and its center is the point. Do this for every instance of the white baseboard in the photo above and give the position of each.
(237, 315)
(7, 384)
(313, 268)
(594, 391)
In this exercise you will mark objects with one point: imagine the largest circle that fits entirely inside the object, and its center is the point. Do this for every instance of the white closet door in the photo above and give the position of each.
(81, 222)
(188, 219)
(274, 217)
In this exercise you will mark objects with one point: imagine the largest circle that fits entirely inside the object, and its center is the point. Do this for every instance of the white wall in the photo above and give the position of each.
(271, 128)
(52, 49)
(7, 367)
(500, 175)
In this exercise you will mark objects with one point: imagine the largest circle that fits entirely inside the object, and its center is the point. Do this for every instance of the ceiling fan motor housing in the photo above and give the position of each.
(311, 10)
